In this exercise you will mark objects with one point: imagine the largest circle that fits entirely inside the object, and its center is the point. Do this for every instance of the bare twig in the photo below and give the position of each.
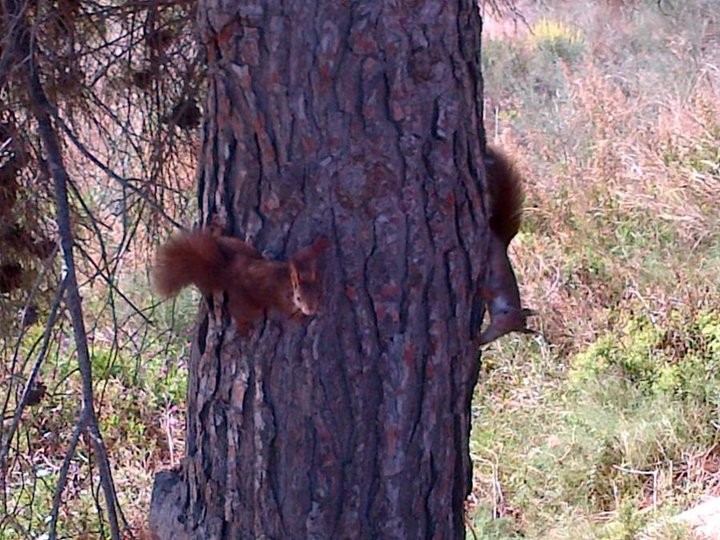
(126, 183)
(62, 477)
(74, 302)
(32, 377)
(89, 67)
(40, 108)
(109, 281)
(21, 336)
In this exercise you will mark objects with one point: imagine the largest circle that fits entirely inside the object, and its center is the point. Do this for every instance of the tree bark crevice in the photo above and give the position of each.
(362, 122)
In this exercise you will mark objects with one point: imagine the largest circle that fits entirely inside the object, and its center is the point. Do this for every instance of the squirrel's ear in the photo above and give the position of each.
(294, 275)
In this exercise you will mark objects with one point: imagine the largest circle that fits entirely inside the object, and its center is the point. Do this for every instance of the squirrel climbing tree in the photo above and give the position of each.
(360, 122)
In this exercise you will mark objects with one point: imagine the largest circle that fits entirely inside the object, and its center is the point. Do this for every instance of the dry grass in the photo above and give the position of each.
(610, 420)
(613, 114)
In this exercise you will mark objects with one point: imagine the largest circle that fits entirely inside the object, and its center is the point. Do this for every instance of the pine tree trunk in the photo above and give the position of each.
(361, 121)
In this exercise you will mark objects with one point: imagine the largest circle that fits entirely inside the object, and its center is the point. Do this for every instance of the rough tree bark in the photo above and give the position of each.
(360, 120)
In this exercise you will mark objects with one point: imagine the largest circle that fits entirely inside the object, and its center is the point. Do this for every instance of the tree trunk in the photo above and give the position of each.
(361, 121)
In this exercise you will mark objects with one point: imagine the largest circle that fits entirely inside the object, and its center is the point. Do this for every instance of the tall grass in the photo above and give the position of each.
(609, 422)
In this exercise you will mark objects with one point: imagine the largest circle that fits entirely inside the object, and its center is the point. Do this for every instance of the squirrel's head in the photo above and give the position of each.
(305, 278)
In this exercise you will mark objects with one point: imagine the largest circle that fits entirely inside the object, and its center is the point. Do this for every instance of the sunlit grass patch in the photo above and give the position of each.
(556, 37)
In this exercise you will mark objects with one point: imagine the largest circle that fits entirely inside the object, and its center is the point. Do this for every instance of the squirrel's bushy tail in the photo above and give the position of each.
(506, 194)
(190, 258)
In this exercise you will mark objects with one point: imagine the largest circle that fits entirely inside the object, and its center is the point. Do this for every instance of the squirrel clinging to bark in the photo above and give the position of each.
(500, 290)
(252, 283)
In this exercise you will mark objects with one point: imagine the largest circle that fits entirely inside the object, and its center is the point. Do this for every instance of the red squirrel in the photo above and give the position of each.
(505, 199)
(252, 283)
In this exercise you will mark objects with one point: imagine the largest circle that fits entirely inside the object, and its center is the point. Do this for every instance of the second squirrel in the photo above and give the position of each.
(500, 290)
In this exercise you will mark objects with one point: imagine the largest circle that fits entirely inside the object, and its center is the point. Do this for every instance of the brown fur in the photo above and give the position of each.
(253, 284)
(500, 291)
(506, 194)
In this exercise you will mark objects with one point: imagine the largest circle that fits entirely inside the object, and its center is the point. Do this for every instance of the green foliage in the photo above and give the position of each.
(140, 391)
(680, 358)
(600, 429)
(619, 431)
(487, 527)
